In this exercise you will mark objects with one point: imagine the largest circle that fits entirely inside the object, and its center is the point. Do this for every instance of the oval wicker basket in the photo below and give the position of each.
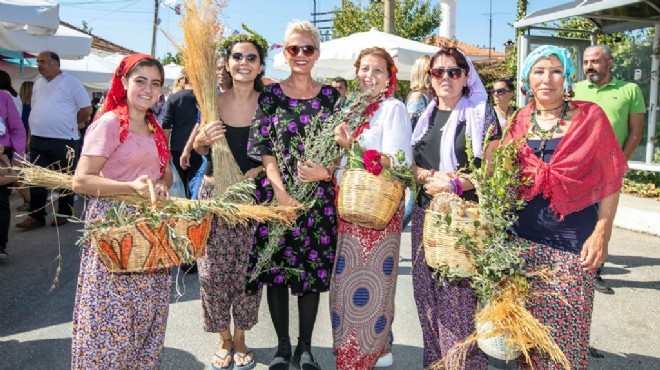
(368, 200)
(142, 247)
(440, 241)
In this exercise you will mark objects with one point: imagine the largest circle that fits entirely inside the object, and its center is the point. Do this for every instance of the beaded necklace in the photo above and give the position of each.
(546, 135)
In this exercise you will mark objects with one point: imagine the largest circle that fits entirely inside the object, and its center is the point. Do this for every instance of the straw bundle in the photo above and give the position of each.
(231, 213)
(505, 315)
(202, 35)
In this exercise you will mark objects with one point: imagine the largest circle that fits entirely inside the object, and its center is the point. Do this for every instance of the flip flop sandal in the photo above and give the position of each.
(242, 356)
(222, 360)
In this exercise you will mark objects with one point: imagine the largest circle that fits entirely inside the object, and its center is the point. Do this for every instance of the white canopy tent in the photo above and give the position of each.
(33, 26)
(339, 55)
(41, 16)
(607, 16)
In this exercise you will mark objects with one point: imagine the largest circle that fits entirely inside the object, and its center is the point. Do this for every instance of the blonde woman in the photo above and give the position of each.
(304, 262)
(420, 89)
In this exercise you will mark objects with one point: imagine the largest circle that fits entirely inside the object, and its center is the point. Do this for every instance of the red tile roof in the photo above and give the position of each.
(101, 43)
(469, 49)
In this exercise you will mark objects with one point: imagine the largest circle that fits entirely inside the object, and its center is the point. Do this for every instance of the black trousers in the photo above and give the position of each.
(189, 173)
(52, 153)
(5, 215)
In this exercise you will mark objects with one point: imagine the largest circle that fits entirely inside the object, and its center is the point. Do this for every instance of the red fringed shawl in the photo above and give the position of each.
(587, 166)
(116, 101)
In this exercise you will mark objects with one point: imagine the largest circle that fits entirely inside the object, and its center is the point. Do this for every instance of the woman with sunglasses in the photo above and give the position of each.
(222, 270)
(304, 262)
(570, 154)
(458, 112)
(502, 93)
(365, 275)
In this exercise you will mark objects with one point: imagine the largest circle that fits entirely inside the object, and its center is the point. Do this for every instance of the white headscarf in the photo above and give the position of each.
(471, 109)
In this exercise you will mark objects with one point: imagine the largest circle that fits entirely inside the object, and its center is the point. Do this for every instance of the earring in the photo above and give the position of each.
(567, 95)
(530, 94)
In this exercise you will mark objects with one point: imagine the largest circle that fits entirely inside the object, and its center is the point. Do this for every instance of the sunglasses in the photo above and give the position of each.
(498, 91)
(237, 57)
(294, 50)
(453, 73)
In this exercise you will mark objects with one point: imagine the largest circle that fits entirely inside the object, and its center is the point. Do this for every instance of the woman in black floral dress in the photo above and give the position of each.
(304, 261)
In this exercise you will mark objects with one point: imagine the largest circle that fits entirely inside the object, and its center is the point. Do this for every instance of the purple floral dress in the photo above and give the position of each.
(304, 261)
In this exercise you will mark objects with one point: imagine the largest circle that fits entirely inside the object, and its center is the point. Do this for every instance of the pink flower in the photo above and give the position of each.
(371, 159)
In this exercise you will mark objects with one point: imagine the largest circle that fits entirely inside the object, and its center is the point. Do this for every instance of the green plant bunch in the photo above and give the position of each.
(496, 255)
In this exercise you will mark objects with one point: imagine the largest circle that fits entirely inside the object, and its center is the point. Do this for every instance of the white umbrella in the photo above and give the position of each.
(41, 16)
(338, 55)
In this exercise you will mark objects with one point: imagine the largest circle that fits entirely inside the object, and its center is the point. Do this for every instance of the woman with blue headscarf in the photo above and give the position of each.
(457, 113)
(570, 153)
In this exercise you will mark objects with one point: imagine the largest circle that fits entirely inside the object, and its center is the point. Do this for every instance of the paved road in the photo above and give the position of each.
(35, 324)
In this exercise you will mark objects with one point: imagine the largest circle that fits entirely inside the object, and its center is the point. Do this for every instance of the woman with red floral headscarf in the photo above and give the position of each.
(119, 319)
(365, 272)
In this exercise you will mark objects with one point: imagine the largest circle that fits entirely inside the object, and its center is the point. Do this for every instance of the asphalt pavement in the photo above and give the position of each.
(35, 323)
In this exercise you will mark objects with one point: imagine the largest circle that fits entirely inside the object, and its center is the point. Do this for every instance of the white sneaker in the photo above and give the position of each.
(54, 195)
(385, 360)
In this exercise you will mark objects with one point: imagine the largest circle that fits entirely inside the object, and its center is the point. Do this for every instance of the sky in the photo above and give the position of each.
(129, 22)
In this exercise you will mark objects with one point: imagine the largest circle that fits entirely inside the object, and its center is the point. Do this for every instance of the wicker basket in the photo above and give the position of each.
(368, 200)
(439, 242)
(141, 247)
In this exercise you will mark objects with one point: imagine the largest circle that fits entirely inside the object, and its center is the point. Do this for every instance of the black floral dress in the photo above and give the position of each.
(306, 255)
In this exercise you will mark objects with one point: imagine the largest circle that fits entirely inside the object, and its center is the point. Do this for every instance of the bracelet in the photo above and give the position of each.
(431, 172)
(458, 186)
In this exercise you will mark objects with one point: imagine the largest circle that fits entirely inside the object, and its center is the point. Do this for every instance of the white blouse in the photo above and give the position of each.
(389, 131)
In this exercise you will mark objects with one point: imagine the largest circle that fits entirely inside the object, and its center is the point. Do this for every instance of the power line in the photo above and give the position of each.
(96, 2)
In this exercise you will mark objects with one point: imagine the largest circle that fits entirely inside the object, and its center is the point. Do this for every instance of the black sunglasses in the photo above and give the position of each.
(453, 73)
(498, 91)
(249, 57)
(294, 50)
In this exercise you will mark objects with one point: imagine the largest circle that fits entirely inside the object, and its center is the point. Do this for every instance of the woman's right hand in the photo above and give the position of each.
(284, 199)
(437, 185)
(211, 132)
(343, 136)
(141, 185)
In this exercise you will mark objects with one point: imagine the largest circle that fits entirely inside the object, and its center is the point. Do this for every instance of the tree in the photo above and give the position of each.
(413, 19)
(86, 28)
(169, 58)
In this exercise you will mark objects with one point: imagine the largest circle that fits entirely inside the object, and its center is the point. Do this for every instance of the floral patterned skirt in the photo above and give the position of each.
(570, 322)
(119, 320)
(446, 311)
(222, 275)
(362, 292)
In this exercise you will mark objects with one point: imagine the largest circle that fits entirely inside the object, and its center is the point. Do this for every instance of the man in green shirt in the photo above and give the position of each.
(622, 102)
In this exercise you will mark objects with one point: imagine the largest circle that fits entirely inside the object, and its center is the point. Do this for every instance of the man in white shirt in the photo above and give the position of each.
(60, 107)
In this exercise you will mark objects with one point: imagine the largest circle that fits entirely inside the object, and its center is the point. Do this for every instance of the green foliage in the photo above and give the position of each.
(169, 58)
(511, 57)
(413, 19)
(86, 28)
(644, 183)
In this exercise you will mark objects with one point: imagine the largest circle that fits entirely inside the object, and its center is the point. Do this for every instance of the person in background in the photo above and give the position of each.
(367, 259)
(5, 85)
(159, 109)
(502, 93)
(623, 104)
(418, 98)
(222, 76)
(25, 97)
(575, 167)
(458, 112)
(179, 83)
(340, 84)
(12, 144)
(304, 262)
(60, 108)
(25, 92)
(181, 116)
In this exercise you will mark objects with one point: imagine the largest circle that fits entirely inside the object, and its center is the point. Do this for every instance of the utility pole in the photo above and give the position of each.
(153, 35)
(490, 27)
(325, 31)
(388, 25)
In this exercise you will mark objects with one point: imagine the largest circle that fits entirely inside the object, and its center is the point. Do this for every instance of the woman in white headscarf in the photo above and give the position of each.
(457, 113)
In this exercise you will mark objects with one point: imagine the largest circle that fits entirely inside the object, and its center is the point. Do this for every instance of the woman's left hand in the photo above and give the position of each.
(253, 173)
(162, 191)
(311, 172)
(594, 250)
(343, 136)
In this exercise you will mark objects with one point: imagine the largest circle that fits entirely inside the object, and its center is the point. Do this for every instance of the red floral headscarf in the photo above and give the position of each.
(116, 101)
(392, 86)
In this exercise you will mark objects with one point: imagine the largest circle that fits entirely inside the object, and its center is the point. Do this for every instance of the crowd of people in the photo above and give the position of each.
(574, 141)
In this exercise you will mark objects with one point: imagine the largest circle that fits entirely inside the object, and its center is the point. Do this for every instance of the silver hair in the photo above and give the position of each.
(298, 26)
(603, 48)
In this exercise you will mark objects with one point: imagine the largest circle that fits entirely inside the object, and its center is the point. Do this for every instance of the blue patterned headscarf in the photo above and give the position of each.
(546, 51)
